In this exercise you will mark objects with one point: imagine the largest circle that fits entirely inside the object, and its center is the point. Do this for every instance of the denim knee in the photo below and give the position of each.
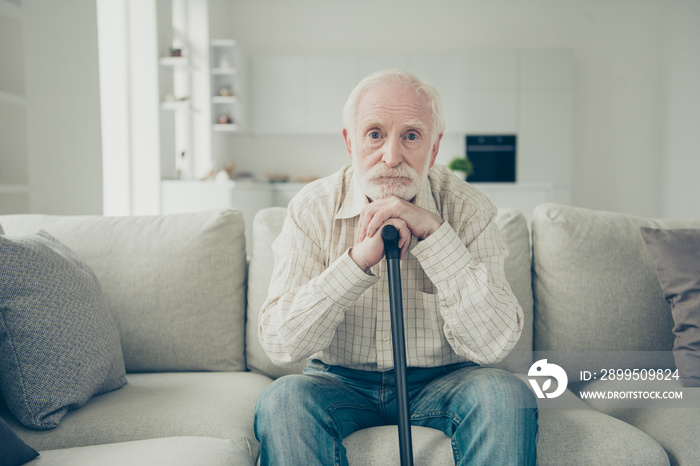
(274, 403)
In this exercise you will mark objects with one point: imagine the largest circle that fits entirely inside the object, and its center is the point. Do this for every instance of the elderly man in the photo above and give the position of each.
(328, 299)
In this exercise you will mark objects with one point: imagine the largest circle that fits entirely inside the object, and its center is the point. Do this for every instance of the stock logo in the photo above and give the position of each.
(542, 368)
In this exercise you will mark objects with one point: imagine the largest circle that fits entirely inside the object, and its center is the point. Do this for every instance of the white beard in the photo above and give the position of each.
(376, 183)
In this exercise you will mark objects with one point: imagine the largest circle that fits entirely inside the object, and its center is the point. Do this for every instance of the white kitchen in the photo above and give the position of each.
(141, 107)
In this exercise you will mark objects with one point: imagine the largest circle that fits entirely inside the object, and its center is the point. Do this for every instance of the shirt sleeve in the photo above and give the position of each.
(483, 319)
(307, 300)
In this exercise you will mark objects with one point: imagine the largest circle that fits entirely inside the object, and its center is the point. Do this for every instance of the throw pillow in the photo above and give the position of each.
(676, 256)
(58, 342)
(13, 451)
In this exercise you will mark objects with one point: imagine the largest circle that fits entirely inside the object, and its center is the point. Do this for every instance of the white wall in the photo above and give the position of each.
(618, 55)
(681, 89)
(63, 109)
(636, 74)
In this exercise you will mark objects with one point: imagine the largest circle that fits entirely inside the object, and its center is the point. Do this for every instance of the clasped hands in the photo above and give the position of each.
(409, 219)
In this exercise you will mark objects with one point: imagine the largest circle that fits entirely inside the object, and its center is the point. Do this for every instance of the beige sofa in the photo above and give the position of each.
(185, 301)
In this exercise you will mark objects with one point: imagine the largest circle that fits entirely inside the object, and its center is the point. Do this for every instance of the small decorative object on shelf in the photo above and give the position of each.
(230, 168)
(225, 92)
(462, 167)
(182, 165)
(224, 119)
(224, 62)
(221, 176)
(175, 51)
(277, 177)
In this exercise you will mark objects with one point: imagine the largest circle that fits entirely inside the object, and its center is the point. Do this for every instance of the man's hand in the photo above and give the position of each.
(369, 251)
(420, 222)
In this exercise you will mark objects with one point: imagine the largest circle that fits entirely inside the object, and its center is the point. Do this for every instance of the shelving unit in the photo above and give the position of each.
(14, 166)
(176, 104)
(225, 85)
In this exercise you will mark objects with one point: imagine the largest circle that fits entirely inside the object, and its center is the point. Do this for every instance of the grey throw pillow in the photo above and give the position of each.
(676, 256)
(58, 342)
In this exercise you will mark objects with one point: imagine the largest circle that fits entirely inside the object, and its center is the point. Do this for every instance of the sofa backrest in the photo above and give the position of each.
(267, 226)
(595, 289)
(175, 284)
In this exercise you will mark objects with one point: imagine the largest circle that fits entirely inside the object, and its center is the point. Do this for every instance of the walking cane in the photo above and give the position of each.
(393, 254)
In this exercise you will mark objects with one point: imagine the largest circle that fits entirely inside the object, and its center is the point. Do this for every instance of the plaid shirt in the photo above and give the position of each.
(457, 303)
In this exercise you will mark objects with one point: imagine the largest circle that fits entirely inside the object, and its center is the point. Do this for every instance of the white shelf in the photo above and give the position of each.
(223, 43)
(229, 127)
(11, 99)
(227, 99)
(14, 188)
(10, 10)
(219, 70)
(174, 61)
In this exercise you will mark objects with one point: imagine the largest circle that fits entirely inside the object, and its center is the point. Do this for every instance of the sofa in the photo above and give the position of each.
(184, 299)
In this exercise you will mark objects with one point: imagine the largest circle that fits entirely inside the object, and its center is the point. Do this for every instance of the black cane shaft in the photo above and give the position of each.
(392, 252)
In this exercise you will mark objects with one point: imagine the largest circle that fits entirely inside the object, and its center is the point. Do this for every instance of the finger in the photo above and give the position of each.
(378, 219)
(362, 227)
(405, 234)
(366, 216)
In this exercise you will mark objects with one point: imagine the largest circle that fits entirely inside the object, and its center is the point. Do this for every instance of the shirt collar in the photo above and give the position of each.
(355, 199)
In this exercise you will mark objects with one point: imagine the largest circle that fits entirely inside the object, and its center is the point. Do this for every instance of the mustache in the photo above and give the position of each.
(400, 171)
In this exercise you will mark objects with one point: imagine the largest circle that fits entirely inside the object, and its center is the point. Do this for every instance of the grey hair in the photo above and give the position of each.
(404, 78)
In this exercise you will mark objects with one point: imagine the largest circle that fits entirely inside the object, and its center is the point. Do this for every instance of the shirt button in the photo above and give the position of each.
(432, 271)
(386, 340)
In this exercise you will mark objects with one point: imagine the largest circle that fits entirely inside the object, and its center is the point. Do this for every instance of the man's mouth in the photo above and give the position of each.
(391, 179)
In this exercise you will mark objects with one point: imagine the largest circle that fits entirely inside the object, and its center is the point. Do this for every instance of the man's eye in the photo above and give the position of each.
(411, 136)
(374, 135)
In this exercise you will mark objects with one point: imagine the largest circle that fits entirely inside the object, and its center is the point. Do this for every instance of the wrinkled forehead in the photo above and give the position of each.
(393, 102)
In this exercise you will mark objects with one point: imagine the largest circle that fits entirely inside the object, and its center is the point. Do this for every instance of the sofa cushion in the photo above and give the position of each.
(13, 450)
(380, 446)
(673, 422)
(175, 404)
(586, 436)
(58, 342)
(175, 284)
(595, 289)
(676, 255)
(576, 434)
(171, 451)
(514, 230)
(267, 226)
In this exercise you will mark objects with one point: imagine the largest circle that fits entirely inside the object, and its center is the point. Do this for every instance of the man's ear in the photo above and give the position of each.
(436, 149)
(348, 142)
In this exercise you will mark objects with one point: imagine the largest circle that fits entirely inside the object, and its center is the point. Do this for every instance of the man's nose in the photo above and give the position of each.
(392, 152)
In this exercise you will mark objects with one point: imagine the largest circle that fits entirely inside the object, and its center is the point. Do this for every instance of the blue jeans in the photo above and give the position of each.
(490, 415)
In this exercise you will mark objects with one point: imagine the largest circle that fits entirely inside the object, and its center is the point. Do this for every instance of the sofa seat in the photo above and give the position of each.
(672, 423)
(171, 451)
(571, 433)
(154, 405)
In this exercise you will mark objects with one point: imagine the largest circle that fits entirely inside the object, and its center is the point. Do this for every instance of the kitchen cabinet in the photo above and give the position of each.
(279, 94)
(528, 93)
(329, 80)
